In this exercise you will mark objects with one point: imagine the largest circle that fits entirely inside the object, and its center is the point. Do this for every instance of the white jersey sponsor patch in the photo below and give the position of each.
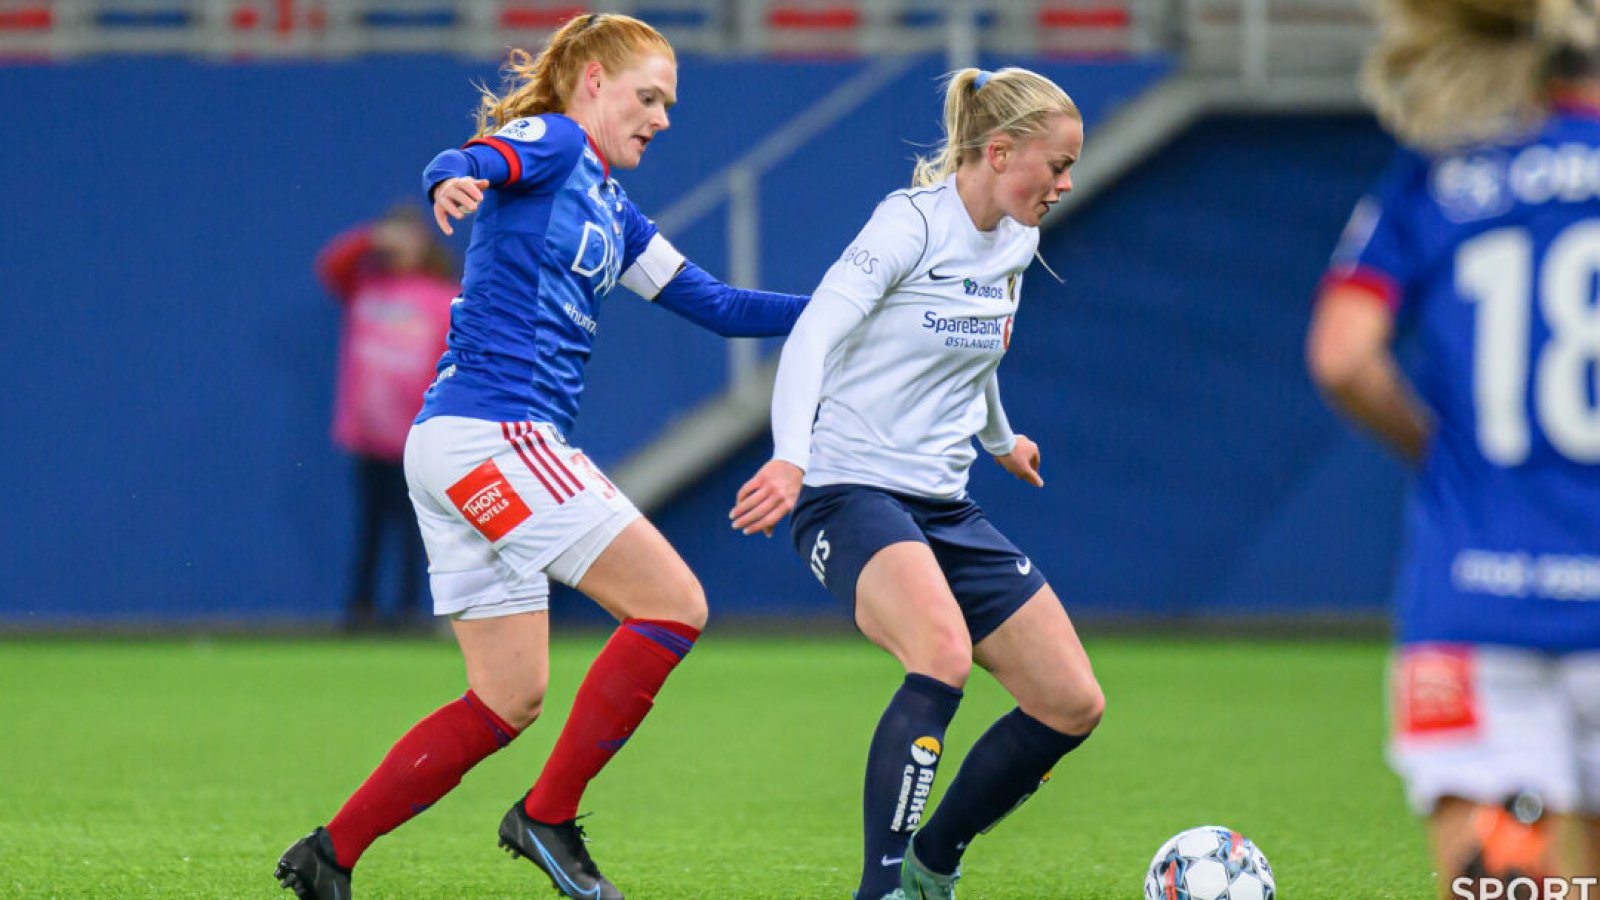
(526, 130)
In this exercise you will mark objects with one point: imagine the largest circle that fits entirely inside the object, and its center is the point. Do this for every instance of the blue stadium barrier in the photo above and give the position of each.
(1191, 472)
(171, 357)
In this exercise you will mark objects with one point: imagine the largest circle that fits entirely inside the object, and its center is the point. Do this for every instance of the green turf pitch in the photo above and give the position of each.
(182, 769)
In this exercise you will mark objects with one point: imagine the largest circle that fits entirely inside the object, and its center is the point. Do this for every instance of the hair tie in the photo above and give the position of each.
(981, 80)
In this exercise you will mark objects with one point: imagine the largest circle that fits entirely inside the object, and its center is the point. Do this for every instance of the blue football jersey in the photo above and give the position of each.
(1491, 258)
(551, 238)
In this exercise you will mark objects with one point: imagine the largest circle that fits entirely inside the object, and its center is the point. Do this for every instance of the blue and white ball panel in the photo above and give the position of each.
(1211, 862)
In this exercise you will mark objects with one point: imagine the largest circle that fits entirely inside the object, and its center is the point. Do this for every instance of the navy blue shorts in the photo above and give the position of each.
(839, 527)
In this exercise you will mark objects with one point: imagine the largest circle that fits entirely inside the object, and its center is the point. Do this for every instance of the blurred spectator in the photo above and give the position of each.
(395, 283)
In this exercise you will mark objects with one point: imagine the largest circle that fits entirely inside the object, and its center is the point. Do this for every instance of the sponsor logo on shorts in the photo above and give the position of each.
(916, 783)
(820, 550)
(488, 501)
(1024, 566)
(1434, 691)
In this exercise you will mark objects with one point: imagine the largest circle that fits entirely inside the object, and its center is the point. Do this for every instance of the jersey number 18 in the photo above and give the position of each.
(1494, 270)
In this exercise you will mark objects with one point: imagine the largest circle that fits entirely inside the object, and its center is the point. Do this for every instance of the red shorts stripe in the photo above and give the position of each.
(511, 439)
(549, 471)
(559, 464)
(526, 445)
(549, 467)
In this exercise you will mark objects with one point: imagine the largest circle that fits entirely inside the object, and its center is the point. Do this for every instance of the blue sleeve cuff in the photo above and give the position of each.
(477, 161)
(729, 311)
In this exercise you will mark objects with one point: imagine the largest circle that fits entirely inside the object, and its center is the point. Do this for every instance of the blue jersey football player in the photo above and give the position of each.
(1483, 241)
(503, 500)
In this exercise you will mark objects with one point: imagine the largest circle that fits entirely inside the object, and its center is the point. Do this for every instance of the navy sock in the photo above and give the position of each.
(900, 766)
(1001, 770)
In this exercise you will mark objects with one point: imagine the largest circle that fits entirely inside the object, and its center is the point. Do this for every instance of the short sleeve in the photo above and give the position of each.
(884, 253)
(1379, 249)
(649, 261)
(637, 230)
(540, 150)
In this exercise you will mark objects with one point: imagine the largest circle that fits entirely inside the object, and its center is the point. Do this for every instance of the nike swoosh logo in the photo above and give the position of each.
(567, 887)
(933, 275)
(892, 862)
(1025, 566)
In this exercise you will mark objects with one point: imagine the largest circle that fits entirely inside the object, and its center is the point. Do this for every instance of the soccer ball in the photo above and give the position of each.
(1209, 863)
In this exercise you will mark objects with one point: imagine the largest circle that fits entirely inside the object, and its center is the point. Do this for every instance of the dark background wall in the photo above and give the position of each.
(170, 357)
(1190, 469)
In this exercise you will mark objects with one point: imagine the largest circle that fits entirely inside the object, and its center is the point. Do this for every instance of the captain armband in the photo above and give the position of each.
(651, 270)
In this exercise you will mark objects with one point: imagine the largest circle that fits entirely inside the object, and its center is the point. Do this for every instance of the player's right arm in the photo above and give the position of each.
(885, 252)
(1349, 349)
(525, 154)
(1348, 352)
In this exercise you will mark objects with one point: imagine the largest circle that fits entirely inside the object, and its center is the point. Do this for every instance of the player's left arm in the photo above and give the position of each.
(1016, 453)
(656, 271)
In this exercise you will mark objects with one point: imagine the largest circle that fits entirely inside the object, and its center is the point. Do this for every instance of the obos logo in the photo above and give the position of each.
(925, 750)
(986, 291)
(528, 129)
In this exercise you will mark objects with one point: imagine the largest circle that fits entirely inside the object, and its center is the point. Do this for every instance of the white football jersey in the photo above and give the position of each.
(889, 373)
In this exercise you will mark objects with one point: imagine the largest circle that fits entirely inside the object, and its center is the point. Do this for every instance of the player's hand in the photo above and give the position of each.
(765, 499)
(1023, 461)
(455, 198)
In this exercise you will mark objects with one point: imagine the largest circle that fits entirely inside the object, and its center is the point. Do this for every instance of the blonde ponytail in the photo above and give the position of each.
(977, 104)
(1451, 72)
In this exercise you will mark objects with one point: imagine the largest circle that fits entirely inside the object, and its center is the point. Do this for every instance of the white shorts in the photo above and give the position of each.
(1484, 722)
(503, 507)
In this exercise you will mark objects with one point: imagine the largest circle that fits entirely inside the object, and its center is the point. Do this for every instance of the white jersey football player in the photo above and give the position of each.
(882, 386)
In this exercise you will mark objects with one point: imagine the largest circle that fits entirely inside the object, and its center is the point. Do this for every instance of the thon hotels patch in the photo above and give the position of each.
(1434, 690)
(488, 501)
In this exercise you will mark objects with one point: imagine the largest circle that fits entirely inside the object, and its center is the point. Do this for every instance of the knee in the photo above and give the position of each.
(686, 601)
(1074, 711)
(947, 658)
(519, 708)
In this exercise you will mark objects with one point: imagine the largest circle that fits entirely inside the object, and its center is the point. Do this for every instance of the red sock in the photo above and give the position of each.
(613, 699)
(420, 768)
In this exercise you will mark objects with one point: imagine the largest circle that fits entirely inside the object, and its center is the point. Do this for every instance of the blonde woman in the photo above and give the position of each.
(887, 378)
(1483, 239)
(503, 500)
